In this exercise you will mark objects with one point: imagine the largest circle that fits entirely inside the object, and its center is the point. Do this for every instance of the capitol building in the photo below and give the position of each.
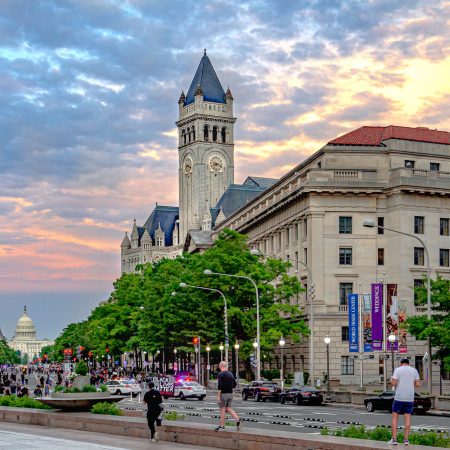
(25, 339)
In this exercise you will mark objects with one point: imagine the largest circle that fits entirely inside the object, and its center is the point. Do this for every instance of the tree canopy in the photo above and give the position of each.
(148, 310)
(7, 354)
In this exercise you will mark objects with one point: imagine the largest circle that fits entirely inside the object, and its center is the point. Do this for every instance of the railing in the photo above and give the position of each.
(346, 174)
(343, 308)
(421, 309)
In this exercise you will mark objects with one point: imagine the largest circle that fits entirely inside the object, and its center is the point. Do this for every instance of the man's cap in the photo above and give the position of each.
(404, 361)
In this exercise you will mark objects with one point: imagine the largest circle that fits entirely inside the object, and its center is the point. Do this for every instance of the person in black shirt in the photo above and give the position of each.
(225, 385)
(153, 399)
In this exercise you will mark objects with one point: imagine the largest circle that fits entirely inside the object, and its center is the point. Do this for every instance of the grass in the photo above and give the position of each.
(106, 408)
(430, 438)
(22, 402)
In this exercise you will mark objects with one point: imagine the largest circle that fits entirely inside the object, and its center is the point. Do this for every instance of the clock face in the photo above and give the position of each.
(188, 166)
(216, 164)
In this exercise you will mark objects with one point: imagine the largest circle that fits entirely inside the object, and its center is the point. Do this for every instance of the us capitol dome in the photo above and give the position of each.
(25, 339)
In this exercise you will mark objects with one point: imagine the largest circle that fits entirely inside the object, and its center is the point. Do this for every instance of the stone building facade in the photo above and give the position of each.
(396, 176)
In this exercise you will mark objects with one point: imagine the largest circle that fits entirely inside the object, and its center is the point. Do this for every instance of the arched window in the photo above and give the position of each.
(206, 133)
(183, 136)
(193, 133)
(214, 133)
(224, 134)
(189, 133)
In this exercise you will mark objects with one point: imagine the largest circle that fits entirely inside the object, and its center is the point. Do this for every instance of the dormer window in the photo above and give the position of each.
(159, 241)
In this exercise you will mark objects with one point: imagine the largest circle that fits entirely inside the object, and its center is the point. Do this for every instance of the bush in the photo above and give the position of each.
(81, 368)
(89, 388)
(59, 388)
(270, 374)
(173, 415)
(106, 408)
(22, 402)
(103, 388)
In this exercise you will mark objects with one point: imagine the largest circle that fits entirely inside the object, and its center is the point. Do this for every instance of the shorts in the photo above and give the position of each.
(400, 407)
(225, 400)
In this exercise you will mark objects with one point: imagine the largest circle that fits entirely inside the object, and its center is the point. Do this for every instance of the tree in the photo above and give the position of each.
(438, 328)
(7, 354)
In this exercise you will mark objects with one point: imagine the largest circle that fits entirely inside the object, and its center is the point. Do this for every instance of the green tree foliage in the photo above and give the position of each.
(81, 368)
(7, 354)
(438, 328)
(142, 312)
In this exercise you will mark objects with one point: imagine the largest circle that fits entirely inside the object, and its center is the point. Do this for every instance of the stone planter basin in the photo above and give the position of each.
(78, 402)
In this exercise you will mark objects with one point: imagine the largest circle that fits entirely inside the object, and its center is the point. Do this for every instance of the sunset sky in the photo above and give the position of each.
(88, 101)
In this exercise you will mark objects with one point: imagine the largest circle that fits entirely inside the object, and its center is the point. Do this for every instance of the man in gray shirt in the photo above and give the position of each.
(404, 379)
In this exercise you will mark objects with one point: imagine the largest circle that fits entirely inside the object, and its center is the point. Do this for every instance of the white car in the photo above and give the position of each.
(123, 387)
(189, 389)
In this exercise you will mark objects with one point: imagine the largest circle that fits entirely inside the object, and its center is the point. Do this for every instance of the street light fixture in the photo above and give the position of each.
(282, 342)
(391, 339)
(225, 311)
(236, 349)
(310, 296)
(258, 333)
(368, 223)
(208, 367)
(221, 351)
(327, 341)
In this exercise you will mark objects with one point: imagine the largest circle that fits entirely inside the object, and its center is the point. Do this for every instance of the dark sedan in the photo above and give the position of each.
(384, 402)
(302, 395)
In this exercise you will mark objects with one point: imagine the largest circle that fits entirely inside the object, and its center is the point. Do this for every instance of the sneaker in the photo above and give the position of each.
(219, 428)
(405, 442)
(393, 441)
(153, 440)
(156, 437)
(238, 424)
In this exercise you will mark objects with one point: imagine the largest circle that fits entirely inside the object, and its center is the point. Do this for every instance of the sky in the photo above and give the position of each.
(89, 96)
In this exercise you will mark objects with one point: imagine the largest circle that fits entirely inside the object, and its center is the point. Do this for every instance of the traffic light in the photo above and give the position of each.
(195, 340)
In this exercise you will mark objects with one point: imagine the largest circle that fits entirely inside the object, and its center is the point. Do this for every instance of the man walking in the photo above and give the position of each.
(404, 379)
(225, 385)
(153, 399)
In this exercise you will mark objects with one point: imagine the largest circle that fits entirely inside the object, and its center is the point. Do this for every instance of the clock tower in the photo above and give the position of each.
(206, 147)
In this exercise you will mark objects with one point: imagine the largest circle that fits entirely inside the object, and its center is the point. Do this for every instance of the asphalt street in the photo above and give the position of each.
(288, 417)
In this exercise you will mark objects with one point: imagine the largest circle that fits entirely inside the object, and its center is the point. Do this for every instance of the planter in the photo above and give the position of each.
(342, 396)
(79, 402)
(81, 394)
(358, 397)
(443, 403)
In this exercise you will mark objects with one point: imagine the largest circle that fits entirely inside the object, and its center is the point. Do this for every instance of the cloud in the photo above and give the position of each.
(88, 101)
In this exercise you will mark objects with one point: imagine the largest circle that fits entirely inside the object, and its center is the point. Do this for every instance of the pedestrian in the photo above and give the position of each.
(153, 399)
(404, 380)
(225, 385)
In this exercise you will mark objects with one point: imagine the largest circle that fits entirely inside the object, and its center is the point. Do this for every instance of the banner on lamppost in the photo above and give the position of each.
(353, 318)
(391, 316)
(402, 331)
(377, 316)
(367, 322)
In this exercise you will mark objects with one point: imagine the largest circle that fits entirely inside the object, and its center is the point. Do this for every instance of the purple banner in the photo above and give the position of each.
(377, 316)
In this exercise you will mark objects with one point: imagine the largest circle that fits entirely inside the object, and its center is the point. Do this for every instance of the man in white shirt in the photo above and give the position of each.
(404, 380)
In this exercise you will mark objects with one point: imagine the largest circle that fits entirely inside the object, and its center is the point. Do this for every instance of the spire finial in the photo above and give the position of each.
(25, 308)
(204, 54)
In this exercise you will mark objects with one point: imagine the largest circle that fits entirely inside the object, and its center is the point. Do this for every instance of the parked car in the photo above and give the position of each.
(189, 389)
(261, 391)
(123, 387)
(301, 395)
(385, 400)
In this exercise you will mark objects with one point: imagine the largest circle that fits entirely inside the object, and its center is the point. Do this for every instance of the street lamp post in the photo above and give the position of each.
(258, 334)
(175, 359)
(391, 339)
(208, 367)
(371, 224)
(256, 347)
(221, 351)
(327, 341)
(310, 297)
(225, 312)
(236, 349)
(282, 342)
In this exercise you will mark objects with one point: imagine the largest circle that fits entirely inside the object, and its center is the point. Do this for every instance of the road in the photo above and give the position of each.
(15, 436)
(270, 415)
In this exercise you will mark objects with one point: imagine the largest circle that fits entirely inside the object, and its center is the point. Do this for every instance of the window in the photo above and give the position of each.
(444, 227)
(215, 133)
(345, 225)
(296, 232)
(345, 256)
(224, 134)
(417, 284)
(419, 224)
(183, 136)
(189, 133)
(344, 290)
(296, 260)
(319, 165)
(380, 221)
(347, 365)
(206, 133)
(409, 164)
(444, 257)
(193, 133)
(305, 257)
(279, 242)
(287, 238)
(381, 256)
(418, 256)
(435, 167)
(344, 334)
(305, 228)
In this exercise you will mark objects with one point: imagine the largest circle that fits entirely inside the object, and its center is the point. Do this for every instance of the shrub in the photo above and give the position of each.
(173, 415)
(270, 374)
(22, 402)
(106, 408)
(89, 388)
(59, 388)
(81, 368)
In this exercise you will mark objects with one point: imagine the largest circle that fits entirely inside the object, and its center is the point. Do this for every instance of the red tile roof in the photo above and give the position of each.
(374, 136)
